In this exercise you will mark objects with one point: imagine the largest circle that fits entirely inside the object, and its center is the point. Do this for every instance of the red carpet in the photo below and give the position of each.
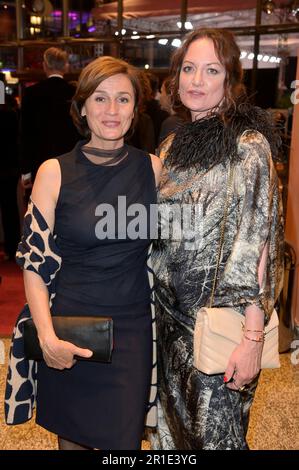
(12, 296)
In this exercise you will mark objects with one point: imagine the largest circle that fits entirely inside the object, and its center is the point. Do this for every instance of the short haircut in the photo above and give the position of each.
(90, 78)
(55, 58)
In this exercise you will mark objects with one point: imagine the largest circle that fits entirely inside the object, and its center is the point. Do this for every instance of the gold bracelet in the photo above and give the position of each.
(255, 331)
(260, 340)
(252, 331)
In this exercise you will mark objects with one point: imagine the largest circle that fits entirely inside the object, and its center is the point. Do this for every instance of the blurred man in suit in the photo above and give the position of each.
(47, 129)
(153, 108)
(9, 175)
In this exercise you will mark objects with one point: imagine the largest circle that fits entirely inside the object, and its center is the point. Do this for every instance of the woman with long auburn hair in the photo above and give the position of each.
(225, 133)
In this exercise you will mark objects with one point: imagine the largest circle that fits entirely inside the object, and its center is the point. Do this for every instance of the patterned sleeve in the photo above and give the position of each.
(37, 250)
(260, 222)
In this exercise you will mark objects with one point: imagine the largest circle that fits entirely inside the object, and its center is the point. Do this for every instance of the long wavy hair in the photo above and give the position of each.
(228, 54)
(206, 142)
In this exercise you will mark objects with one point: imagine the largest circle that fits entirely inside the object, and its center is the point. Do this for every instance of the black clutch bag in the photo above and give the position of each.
(94, 333)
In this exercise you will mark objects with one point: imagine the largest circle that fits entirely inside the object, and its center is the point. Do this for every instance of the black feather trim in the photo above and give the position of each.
(206, 142)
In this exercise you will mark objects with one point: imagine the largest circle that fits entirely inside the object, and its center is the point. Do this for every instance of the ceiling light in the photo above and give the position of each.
(188, 24)
(163, 41)
(176, 42)
(260, 57)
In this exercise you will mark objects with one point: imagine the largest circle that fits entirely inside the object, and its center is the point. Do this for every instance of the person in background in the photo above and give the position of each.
(46, 126)
(9, 175)
(153, 108)
(97, 272)
(173, 121)
(198, 411)
(143, 136)
(155, 85)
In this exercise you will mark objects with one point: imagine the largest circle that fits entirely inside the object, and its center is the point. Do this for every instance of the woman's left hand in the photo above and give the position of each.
(244, 364)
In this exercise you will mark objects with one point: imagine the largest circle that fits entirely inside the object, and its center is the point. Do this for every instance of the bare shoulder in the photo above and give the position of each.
(49, 169)
(49, 174)
(157, 167)
(46, 189)
(156, 161)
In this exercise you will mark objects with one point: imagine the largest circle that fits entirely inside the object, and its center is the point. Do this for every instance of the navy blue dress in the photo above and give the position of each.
(102, 405)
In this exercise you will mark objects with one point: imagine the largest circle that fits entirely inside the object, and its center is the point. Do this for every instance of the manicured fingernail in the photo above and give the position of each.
(225, 379)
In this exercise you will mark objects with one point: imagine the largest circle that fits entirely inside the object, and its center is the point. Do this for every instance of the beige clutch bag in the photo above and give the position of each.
(219, 330)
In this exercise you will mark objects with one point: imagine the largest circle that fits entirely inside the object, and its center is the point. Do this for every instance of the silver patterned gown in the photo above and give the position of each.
(197, 411)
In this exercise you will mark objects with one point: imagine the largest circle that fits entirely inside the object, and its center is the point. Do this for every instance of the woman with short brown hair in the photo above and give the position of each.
(80, 232)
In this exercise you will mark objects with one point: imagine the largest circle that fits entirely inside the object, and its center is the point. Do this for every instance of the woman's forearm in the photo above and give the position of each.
(254, 316)
(254, 319)
(38, 300)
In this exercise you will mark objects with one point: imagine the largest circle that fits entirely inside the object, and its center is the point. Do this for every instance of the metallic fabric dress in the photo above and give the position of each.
(197, 411)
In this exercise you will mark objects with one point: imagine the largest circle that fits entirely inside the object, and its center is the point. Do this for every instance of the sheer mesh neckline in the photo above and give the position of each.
(105, 157)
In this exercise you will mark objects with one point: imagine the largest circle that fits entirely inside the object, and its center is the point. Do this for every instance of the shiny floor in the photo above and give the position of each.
(274, 421)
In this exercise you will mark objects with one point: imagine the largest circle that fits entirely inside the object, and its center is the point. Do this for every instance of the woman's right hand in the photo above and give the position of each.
(60, 354)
